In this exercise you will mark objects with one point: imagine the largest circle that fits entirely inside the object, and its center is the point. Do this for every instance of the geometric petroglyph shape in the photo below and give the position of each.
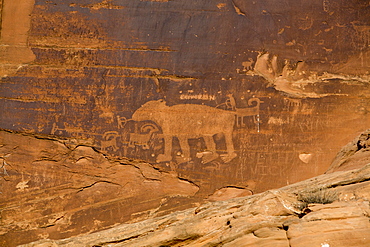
(305, 157)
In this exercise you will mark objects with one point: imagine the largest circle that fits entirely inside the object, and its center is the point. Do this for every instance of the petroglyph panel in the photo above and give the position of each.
(242, 89)
(232, 94)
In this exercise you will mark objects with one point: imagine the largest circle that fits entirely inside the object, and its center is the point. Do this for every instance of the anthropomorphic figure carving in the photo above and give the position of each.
(186, 121)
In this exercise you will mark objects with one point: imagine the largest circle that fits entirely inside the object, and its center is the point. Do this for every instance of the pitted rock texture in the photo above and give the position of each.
(288, 217)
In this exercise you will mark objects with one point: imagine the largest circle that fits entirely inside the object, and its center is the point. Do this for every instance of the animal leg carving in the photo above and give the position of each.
(184, 147)
(167, 150)
(211, 146)
(230, 148)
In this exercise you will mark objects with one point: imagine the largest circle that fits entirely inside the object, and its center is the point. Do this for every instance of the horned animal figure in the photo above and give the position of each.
(109, 140)
(253, 111)
(143, 138)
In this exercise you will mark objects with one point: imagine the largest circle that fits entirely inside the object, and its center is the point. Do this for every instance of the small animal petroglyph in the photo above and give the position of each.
(247, 65)
(143, 138)
(109, 140)
(248, 112)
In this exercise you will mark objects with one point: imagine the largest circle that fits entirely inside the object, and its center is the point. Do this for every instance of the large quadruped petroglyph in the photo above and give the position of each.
(117, 111)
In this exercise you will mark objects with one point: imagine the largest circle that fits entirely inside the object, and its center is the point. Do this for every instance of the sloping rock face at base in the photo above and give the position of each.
(59, 188)
(355, 154)
(56, 189)
(328, 210)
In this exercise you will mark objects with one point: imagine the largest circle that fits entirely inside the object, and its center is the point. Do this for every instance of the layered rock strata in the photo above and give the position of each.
(328, 210)
(54, 188)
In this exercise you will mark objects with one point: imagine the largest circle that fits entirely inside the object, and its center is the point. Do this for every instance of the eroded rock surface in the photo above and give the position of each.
(56, 188)
(250, 90)
(65, 189)
(216, 99)
(354, 155)
(293, 216)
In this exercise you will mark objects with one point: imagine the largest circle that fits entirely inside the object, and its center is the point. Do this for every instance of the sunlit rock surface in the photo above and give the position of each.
(328, 210)
(118, 111)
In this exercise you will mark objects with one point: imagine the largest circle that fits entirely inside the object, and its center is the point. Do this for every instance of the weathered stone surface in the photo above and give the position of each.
(336, 224)
(290, 216)
(332, 225)
(237, 222)
(263, 237)
(228, 193)
(354, 155)
(216, 100)
(288, 82)
(55, 188)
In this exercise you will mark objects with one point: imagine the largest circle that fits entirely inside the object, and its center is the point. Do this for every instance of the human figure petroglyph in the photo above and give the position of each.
(186, 121)
(230, 102)
(54, 129)
(121, 121)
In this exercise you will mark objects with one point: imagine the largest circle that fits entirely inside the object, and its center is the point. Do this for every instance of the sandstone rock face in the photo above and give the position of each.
(291, 216)
(354, 155)
(238, 90)
(57, 189)
(212, 100)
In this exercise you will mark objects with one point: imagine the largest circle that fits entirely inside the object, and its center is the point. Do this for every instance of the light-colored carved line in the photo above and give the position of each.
(99, 66)
(101, 48)
(155, 70)
(40, 100)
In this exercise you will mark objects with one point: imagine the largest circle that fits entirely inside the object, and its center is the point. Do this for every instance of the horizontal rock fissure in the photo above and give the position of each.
(91, 185)
(122, 240)
(189, 181)
(344, 183)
